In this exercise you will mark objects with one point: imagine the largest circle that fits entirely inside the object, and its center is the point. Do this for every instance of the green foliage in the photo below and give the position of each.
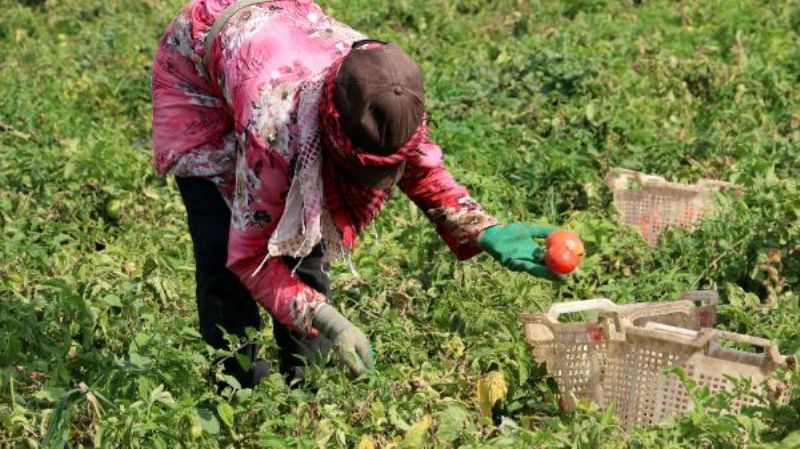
(533, 102)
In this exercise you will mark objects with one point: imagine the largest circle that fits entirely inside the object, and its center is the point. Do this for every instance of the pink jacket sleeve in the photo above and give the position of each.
(458, 219)
(287, 299)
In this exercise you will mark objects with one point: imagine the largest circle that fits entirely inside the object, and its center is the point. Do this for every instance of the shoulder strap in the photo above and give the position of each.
(229, 11)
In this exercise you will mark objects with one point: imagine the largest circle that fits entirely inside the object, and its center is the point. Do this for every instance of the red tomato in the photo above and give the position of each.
(563, 252)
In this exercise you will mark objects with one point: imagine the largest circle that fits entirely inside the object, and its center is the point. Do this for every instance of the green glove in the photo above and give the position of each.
(512, 245)
(349, 342)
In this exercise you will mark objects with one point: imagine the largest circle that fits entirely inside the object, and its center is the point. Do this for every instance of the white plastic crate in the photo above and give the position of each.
(620, 356)
(635, 377)
(651, 204)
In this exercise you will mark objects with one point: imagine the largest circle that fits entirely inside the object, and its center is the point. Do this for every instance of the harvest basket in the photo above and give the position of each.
(651, 204)
(635, 377)
(620, 356)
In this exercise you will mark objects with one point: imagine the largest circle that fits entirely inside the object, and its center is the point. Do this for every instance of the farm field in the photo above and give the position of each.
(534, 102)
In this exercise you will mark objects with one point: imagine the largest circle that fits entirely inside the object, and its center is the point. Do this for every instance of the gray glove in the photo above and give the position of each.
(349, 342)
(317, 348)
(313, 349)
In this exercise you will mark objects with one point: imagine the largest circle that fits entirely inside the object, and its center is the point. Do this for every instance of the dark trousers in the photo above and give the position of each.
(222, 300)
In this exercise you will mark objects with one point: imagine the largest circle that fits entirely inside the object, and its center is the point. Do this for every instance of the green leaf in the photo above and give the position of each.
(272, 441)
(609, 416)
(366, 442)
(244, 362)
(232, 381)
(242, 395)
(792, 441)
(323, 433)
(207, 421)
(141, 339)
(53, 394)
(396, 420)
(160, 395)
(112, 300)
(138, 360)
(225, 412)
(191, 332)
(417, 434)
(590, 112)
(451, 423)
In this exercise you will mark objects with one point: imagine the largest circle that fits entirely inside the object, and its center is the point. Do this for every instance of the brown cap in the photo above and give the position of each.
(380, 97)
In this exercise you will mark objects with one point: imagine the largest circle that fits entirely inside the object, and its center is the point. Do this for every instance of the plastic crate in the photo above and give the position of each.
(575, 352)
(619, 356)
(635, 379)
(651, 204)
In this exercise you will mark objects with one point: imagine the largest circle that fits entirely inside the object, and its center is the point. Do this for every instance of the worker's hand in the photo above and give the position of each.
(513, 246)
(349, 342)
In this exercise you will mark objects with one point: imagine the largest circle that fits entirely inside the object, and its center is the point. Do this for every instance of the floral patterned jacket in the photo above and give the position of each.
(246, 124)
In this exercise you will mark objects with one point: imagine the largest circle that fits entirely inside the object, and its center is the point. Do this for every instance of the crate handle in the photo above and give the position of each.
(675, 334)
(712, 184)
(620, 178)
(710, 297)
(653, 325)
(634, 312)
(602, 304)
(771, 353)
(645, 179)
